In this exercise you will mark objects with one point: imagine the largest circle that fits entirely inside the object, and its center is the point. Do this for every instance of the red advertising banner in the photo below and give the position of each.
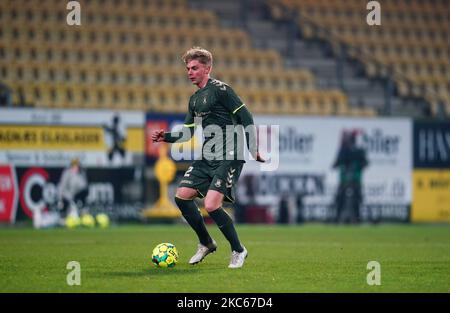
(152, 147)
(8, 194)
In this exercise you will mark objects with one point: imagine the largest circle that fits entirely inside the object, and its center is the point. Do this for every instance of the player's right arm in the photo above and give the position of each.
(183, 135)
(178, 136)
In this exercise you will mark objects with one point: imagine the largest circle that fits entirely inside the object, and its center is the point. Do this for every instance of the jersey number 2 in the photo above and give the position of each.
(188, 172)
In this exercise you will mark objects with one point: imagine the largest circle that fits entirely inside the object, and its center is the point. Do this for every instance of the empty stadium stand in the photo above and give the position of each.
(127, 55)
(411, 46)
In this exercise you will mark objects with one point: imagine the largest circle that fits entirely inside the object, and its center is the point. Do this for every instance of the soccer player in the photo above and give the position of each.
(214, 176)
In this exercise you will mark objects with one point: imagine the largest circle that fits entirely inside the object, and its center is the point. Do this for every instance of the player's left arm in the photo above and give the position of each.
(243, 117)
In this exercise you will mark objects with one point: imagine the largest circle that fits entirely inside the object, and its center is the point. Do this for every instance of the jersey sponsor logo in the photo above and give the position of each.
(201, 114)
(185, 181)
(218, 183)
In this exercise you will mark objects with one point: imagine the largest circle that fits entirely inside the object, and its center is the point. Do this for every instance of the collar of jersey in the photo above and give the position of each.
(207, 85)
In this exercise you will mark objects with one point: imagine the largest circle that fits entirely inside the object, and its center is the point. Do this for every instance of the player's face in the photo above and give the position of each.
(198, 72)
(75, 168)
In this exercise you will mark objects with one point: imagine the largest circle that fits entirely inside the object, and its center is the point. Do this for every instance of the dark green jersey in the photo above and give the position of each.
(217, 104)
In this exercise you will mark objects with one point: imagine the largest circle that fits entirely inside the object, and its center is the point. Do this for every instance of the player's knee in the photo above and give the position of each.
(185, 193)
(211, 208)
(211, 205)
(213, 200)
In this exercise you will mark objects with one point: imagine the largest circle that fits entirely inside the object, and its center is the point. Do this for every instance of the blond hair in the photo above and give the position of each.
(198, 53)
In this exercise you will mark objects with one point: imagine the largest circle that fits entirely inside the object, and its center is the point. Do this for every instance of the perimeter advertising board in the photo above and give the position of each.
(98, 138)
(308, 148)
(431, 176)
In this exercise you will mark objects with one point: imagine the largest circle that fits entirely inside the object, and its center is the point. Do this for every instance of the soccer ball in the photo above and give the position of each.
(88, 220)
(72, 221)
(165, 255)
(102, 220)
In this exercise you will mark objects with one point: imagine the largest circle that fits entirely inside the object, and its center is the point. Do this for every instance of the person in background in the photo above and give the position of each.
(283, 210)
(72, 189)
(350, 162)
(117, 140)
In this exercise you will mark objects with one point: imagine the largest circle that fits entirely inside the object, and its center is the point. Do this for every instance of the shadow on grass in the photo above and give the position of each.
(155, 271)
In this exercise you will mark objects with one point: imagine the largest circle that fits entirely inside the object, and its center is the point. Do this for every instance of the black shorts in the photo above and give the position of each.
(221, 176)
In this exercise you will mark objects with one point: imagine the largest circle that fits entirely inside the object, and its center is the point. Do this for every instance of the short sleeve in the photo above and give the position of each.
(189, 119)
(230, 99)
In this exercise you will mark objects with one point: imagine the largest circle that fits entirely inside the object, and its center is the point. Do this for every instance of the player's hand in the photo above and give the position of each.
(158, 135)
(259, 158)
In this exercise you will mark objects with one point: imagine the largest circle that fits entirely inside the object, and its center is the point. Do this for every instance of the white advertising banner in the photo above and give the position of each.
(308, 148)
(47, 137)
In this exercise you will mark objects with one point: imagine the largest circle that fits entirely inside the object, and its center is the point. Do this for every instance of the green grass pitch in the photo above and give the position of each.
(308, 258)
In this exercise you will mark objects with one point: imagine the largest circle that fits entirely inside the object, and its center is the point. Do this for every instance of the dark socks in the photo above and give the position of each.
(192, 215)
(226, 226)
